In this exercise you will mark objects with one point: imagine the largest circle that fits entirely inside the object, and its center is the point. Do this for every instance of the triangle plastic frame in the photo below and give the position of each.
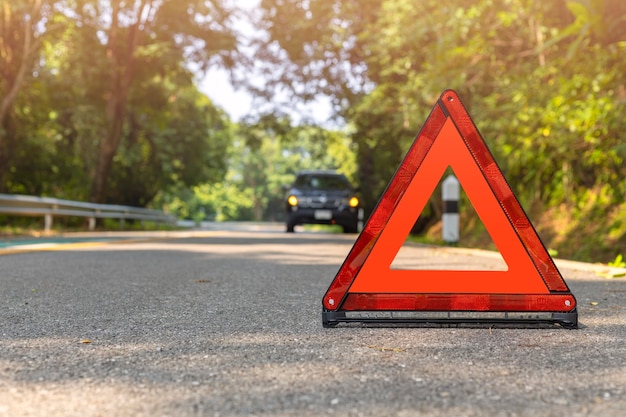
(531, 291)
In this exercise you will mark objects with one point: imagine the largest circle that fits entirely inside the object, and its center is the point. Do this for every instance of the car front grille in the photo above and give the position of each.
(320, 202)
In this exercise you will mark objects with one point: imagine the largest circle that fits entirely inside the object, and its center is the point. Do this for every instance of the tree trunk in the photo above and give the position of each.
(15, 63)
(116, 109)
(121, 54)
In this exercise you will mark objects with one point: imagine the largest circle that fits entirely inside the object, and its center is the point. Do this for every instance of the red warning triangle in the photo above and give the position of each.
(366, 282)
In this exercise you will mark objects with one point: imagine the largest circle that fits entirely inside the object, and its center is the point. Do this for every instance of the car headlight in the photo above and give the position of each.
(354, 202)
(292, 201)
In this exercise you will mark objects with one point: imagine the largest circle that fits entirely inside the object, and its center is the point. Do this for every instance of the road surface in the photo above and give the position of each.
(228, 323)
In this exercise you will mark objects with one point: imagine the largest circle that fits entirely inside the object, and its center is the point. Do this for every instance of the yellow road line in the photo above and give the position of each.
(49, 247)
(59, 246)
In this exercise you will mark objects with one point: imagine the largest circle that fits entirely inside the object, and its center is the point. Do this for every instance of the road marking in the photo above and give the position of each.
(59, 246)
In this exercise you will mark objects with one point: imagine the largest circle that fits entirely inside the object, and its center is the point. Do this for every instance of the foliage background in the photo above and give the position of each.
(99, 102)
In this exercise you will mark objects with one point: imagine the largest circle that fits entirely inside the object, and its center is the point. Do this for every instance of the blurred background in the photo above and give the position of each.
(207, 108)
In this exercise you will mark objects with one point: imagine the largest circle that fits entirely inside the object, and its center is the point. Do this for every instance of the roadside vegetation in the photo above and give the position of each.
(99, 102)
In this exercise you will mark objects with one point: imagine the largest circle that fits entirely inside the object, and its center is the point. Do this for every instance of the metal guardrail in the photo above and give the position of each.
(25, 205)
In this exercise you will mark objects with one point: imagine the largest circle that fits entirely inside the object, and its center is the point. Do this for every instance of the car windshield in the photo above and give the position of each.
(323, 182)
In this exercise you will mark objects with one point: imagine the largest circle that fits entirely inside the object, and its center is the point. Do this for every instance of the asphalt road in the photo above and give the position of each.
(228, 323)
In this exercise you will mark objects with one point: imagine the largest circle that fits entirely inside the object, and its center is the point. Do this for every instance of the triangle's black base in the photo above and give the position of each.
(515, 319)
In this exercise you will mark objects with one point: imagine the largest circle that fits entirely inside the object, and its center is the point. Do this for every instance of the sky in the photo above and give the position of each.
(218, 88)
(238, 103)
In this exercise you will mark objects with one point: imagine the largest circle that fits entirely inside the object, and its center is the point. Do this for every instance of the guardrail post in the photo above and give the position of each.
(92, 223)
(47, 222)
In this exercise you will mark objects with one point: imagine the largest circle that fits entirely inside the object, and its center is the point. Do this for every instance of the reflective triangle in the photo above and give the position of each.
(366, 280)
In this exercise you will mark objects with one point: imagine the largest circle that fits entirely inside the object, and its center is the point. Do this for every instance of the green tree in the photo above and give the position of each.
(134, 33)
(274, 150)
(265, 155)
(176, 138)
(23, 25)
(103, 106)
(542, 79)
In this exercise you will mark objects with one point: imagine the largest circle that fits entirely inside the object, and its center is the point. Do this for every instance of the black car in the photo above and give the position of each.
(322, 197)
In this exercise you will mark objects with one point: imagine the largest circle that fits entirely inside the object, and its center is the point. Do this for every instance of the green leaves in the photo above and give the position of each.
(262, 160)
(109, 98)
(543, 80)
